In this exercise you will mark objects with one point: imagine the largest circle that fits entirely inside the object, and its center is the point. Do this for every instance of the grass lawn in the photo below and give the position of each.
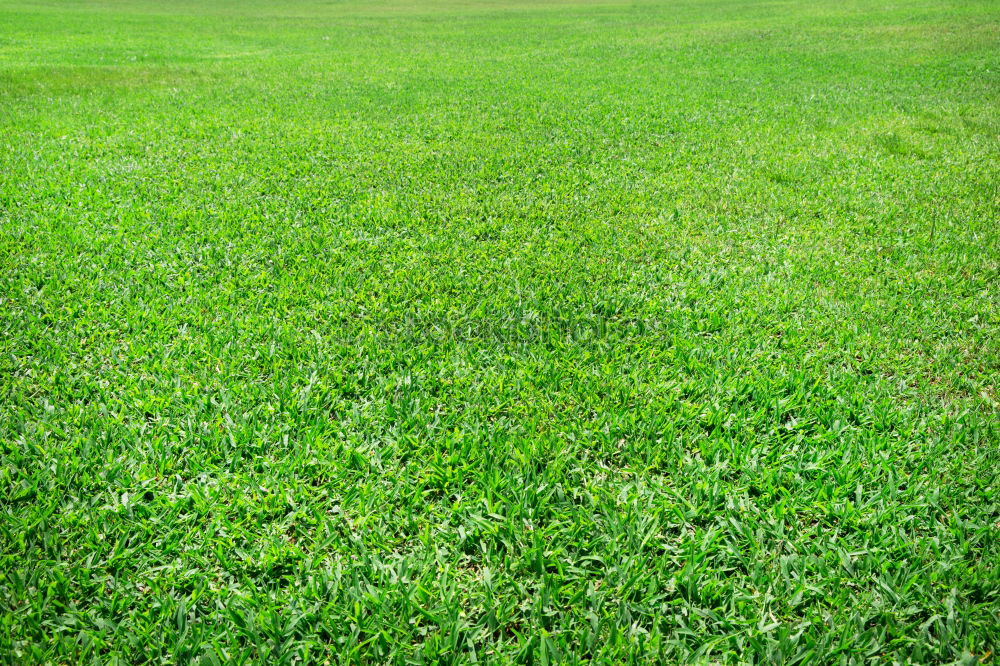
(453, 331)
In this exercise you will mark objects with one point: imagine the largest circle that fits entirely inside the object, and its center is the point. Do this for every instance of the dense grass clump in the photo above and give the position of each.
(499, 331)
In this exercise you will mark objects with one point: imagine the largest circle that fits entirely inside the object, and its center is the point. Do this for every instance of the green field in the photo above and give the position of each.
(455, 331)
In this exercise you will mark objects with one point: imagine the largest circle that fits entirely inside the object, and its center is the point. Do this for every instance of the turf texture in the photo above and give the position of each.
(496, 331)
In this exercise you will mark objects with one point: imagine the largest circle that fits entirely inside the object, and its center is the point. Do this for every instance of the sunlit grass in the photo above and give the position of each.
(546, 332)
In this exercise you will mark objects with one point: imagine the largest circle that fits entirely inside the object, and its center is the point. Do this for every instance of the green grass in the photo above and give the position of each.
(471, 330)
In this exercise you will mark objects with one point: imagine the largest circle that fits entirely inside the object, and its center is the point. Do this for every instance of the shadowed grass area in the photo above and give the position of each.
(396, 332)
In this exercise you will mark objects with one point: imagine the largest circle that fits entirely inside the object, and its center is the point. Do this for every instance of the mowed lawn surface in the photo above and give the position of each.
(462, 330)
